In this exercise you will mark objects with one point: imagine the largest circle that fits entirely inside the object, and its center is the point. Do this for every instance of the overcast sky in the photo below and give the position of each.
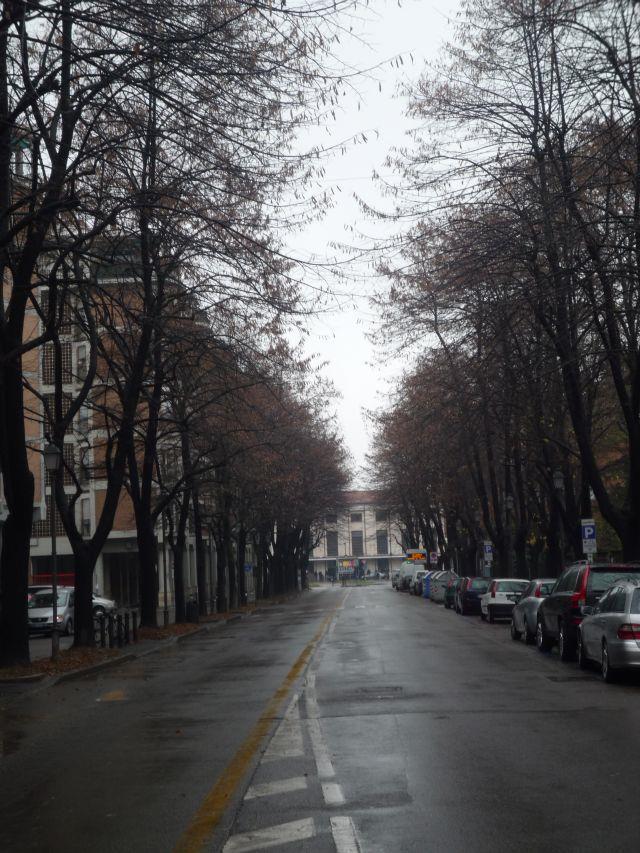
(386, 30)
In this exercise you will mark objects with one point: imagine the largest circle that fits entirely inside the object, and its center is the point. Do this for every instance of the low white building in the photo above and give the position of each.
(362, 530)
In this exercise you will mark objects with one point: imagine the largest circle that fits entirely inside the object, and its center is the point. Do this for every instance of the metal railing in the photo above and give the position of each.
(117, 629)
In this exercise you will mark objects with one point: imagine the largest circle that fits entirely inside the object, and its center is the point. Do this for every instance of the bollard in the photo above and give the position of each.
(119, 630)
(135, 626)
(126, 628)
(110, 627)
(103, 639)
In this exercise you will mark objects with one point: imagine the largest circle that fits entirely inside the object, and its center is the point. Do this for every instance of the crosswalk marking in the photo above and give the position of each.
(287, 741)
(271, 836)
(280, 786)
(332, 793)
(344, 834)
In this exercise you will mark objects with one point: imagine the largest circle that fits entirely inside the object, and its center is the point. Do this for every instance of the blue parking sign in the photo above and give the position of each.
(589, 542)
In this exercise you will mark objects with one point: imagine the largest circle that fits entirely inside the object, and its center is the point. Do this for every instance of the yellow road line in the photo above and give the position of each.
(112, 696)
(215, 802)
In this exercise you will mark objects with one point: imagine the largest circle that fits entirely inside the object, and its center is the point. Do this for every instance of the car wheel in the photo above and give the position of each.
(542, 641)
(565, 646)
(69, 628)
(583, 661)
(515, 635)
(608, 673)
(490, 615)
(529, 636)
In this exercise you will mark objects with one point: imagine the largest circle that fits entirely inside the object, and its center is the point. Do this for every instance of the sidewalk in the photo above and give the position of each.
(75, 663)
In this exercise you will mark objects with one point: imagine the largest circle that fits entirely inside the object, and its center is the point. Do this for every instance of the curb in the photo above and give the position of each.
(23, 679)
(52, 681)
(96, 667)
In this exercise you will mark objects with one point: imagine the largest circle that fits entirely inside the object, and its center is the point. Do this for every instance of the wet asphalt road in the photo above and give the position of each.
(412, 729)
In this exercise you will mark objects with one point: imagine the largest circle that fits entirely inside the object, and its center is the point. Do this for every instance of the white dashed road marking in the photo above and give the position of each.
(332, 793)
(272, 836)
(287, 741)
(280, 786)
(344, 834)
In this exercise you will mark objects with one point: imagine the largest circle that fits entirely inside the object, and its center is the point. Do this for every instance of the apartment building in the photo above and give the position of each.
(363, 529)
(117, 569)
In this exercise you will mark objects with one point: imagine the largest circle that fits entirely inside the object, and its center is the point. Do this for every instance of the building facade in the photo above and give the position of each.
(363, 530)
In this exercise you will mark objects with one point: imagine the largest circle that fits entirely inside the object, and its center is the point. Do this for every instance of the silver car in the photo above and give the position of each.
(609, 635)
(40, 611)
(439, 586)
(525, 613)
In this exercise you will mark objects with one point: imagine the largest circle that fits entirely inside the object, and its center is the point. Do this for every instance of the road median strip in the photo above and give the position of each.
(216, 801)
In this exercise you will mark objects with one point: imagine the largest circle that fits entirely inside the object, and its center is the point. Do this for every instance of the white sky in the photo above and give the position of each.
(384, 31)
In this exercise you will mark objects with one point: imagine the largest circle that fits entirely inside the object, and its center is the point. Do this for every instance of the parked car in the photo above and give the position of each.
(415, 584)
(33, 588)
(609, 634)
(408, 568)
(469, 594)
(500, 598)
(439, 585)
(40, 611)
(525, 612)
(450, 592)
(103, 605)
(579, 585)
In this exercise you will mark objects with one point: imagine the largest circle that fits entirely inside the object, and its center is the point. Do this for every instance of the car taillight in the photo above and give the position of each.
(538, 594)
(578, 600)
(629, 631)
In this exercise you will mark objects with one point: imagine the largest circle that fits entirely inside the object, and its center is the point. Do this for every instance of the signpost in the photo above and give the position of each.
(589, 541)
(487, 553)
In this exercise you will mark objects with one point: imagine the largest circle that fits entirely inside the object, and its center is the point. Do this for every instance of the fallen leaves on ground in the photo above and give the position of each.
(67, 660)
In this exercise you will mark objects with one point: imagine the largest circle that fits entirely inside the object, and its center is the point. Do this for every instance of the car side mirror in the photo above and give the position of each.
(587, 610)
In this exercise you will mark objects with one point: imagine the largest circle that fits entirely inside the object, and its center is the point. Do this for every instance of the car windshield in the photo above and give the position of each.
(635, 601)
(479, 585)
(511, 586)
(602, 579)
(45, 599)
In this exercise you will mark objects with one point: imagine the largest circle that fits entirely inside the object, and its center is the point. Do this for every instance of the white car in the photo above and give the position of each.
(439, 586)
(501, 597)
(103, 605)
(415, 584)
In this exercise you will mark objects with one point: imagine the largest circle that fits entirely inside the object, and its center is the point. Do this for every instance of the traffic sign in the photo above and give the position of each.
(488, 552)
(589, 541)
(433, 558)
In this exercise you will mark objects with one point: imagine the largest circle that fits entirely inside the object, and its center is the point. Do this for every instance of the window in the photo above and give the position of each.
(568, 581)
(635, 601)
(545, 588)
(332, 543)
(382, 542)
(43, 527)
(356, 543)
(618, 600)
(49, 366)
(49, 403)
(356, 517)
(332, 518)
(382, 515)
(383, 566)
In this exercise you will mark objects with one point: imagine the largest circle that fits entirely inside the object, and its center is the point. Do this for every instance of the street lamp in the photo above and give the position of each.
(52, 462)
